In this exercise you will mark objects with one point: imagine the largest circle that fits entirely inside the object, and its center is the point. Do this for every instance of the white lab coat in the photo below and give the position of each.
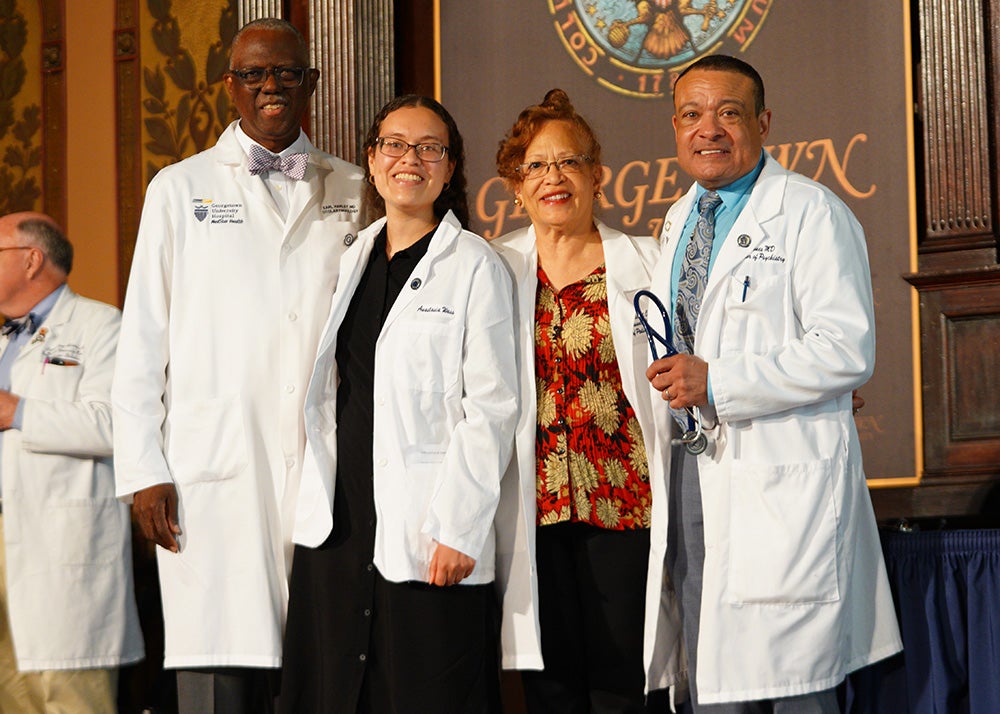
(795, 592)
(68, 539)
(445, 407)
(628, 262)
(222, 318)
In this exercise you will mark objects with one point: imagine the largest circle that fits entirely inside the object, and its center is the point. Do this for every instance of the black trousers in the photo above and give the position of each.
(396, 649)
(227, 690)
(591, 589)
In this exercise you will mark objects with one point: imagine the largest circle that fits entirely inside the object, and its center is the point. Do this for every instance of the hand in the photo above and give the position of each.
(857, 401)
(8, 405)
(681, 379)
(449, 566)
(155, 510)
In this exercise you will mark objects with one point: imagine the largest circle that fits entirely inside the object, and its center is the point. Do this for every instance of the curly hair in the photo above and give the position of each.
(555, 107)
(453, 197)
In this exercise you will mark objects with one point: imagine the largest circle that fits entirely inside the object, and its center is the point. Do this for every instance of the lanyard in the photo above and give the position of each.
(693, 439)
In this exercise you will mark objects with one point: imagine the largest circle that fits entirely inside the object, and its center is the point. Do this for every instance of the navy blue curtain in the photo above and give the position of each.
(946, 586)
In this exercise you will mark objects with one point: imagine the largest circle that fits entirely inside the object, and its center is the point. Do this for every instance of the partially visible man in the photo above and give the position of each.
(67, 610)
(234, 268)
(772, 543)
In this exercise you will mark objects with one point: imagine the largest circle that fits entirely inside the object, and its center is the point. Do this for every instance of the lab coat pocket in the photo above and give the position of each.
(206, 440)
(430, 355)
(754, 311)
(783, 534)
(59, 381)
(86, 531)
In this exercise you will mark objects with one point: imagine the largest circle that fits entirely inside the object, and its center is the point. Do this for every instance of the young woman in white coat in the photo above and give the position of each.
(410, 416)
(574, 520)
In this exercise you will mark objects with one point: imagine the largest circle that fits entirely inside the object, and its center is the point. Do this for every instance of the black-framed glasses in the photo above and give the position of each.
(287, 77)
(567, 165)
(425, 152)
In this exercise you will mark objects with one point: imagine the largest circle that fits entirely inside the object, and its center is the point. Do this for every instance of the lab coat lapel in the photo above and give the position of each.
(751, 225)
(624, 275)
(49, 331)
(443, 237)
(352, 264)
(522, 257)
(318, 172)
(233, 159)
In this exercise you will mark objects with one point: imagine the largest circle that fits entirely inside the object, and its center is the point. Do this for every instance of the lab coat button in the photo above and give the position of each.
(382, 462)
(743, 241)
(289, 463)
(292, 317)
(415, 283)
(290, 388)
(349, 239)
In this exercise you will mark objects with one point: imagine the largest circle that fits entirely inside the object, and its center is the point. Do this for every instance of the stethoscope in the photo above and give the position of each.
(693, 440)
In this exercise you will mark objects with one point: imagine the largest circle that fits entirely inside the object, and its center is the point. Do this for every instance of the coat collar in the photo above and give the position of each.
(623, 264)
(228, 151)
(764, 205)
(60, 314)
(445, 236)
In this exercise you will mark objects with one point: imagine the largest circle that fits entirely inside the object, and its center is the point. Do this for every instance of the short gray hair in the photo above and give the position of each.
(51, 240)
(273, 24)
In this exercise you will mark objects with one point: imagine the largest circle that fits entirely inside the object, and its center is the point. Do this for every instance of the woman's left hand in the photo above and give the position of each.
(449, 566)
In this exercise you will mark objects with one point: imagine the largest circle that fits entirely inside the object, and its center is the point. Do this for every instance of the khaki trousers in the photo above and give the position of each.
(78, 691)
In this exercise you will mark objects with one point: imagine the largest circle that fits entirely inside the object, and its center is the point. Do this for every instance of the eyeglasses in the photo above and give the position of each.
(287, 77)
(16, 247)
(424, 152)
(568, 165)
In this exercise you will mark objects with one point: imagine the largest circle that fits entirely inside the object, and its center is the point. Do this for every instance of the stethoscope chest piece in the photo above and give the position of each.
(694, 444)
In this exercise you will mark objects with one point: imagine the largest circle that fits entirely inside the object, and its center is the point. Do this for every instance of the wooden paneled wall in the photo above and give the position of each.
(957, 75)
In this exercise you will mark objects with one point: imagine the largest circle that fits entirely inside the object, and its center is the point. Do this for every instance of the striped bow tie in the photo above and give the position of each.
(262, 160)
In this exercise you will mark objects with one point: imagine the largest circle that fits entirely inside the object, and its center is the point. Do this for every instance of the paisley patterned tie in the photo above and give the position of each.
(694, 274)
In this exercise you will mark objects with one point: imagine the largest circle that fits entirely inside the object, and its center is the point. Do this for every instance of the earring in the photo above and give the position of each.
(371, 180)
(598, 195)
(446, 186)
(517, 200)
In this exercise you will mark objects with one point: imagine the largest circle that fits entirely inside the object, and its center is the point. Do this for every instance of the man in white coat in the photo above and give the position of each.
(234, 268)
(772, 543)
(67, 611)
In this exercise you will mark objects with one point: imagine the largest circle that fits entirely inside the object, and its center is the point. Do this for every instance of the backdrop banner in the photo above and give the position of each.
(835, 76)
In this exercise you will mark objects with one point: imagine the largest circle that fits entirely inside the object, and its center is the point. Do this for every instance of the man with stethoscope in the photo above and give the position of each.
(772, 543)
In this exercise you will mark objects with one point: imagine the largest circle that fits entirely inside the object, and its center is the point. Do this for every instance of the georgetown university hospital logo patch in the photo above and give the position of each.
(634, 46)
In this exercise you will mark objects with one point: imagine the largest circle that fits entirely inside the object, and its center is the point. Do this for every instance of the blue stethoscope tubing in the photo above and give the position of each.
(693, 439)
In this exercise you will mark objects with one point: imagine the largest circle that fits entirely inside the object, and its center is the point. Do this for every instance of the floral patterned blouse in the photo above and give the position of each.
(590, 457)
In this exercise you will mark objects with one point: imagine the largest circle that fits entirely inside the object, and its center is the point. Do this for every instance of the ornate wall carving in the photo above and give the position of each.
(33, 107)
(169, 62)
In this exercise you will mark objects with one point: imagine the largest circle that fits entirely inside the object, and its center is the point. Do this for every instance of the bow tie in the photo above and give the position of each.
(262, 160)
(13, 328)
